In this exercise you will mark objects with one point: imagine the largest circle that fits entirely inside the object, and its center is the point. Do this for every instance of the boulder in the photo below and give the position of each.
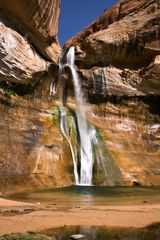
(78, 236)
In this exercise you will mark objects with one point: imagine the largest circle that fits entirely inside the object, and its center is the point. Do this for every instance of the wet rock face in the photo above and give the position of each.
(32, 151)
(28, 39)
(131, 133)
(122, 46)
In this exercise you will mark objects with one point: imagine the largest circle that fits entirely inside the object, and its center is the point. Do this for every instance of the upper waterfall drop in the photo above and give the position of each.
(71, 56)
(75, 78)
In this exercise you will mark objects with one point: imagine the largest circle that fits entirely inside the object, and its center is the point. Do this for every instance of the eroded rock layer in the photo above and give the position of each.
(29, 51)
(33, 153)
(131, 130)
(40, 19)
(120, 51)
(28, 39)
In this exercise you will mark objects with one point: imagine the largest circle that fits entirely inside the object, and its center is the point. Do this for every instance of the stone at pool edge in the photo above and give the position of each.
(78, 236)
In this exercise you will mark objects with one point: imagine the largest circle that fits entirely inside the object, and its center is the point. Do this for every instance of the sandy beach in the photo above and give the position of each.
(21, 217)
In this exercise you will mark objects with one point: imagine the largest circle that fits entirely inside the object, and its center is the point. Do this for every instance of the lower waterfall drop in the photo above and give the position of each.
(63, 127)
(87, 134)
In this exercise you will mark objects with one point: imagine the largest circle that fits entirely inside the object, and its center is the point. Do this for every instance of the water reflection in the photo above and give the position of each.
(104, 233)
(87, 200)
(89, 231)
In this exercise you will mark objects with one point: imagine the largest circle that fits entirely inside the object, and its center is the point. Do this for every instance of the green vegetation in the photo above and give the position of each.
(12, 88)
(55, 117)
(9, 92)
(27, 236)
(99, 177)
(8, 89)
(96, 233)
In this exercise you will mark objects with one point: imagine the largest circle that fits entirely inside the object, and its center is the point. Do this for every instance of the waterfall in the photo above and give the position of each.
(86, 133)
(89, 147)
(76, 82)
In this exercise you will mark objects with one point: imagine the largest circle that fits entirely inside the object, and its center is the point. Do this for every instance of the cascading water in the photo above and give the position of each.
(89, 147)
(86, 133)
(63, 126)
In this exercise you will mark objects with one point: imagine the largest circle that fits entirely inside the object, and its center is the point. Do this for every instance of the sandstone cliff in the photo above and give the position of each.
(29, 51)
(28, 39)
(118, 54)
(118, 60)
(33, 153)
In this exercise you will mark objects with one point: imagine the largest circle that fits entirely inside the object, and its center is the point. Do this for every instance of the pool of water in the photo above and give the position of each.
(92, 195)
(151, 232)
(104, 233)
